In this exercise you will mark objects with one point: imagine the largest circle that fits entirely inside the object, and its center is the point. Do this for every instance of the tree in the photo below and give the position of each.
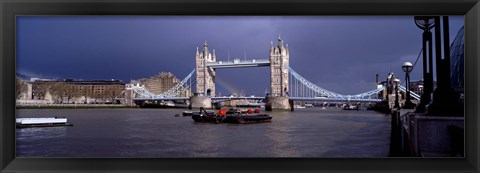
(58, 91)
(39, 89)
(113, 91)
(86, 92)
(71, 92)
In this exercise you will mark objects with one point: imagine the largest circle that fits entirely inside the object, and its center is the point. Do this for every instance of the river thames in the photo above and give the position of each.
(125, 132)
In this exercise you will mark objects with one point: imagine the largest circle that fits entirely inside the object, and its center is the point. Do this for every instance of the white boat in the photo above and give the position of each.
(42, 122)
(298, 106)
(351, 107)
(168, 104)
(187, 113)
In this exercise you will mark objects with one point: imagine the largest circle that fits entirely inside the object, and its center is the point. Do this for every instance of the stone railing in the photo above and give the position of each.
(432, 136)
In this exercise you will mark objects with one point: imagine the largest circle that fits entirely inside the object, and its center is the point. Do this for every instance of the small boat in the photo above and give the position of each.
(207, 116)
(41, 122)
(235, 116)
(298, 106)
(187, 113)
(246, 118)
(190, 113)
(351, 107)
(207, 112)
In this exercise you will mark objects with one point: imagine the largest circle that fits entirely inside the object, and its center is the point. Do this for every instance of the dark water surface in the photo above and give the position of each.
(310, 132)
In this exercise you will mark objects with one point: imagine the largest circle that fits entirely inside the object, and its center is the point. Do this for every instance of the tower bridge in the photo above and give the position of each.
(206, 66)
(286, 85)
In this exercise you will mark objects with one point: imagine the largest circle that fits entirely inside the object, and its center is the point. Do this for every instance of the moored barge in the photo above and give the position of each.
(246, 119)
(42, 122)
(233, 116)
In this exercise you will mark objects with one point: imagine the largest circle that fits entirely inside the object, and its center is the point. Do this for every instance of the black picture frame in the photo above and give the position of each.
(11, 8)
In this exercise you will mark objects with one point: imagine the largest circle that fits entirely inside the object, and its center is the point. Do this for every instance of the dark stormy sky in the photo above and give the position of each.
(338, 53)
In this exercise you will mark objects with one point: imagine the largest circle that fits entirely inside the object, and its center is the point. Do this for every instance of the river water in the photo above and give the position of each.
(310, 132)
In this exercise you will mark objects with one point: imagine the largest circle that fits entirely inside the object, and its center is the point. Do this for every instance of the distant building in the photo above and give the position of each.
(160, 83)
(417, 87)
(103, 90)
(77, 91)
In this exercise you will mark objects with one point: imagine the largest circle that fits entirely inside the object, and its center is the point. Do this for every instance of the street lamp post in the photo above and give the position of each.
(426, 23)
(396, 82)
(407, 67)
(445, 99)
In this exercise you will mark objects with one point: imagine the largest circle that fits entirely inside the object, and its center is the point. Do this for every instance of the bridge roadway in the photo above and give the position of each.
(239, 63)
(220, 99)
(187, 98)
(334, 99)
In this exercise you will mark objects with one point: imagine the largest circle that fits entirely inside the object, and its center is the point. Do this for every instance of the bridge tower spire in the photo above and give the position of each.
(214, 57)
(279, 62)
(205, 76)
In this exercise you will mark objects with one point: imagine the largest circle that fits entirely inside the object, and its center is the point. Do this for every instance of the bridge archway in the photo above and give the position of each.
(209, 92)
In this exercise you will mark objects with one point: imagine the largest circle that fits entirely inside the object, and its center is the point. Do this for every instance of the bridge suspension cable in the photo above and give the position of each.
(172, 92)
(308, 89)
(412, 94)
(299, 88)
(177, 89)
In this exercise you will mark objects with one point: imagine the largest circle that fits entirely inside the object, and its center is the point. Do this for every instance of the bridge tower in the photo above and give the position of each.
(279, 62)
(279, 58)
(205, 78)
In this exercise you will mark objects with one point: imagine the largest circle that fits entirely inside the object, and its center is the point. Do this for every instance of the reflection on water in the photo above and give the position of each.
(310, 132)
(30, 140)
(280, 136)
(204, 139)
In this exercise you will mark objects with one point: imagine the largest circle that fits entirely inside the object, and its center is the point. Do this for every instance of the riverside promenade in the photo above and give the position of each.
(55, 105)
(416, 135)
